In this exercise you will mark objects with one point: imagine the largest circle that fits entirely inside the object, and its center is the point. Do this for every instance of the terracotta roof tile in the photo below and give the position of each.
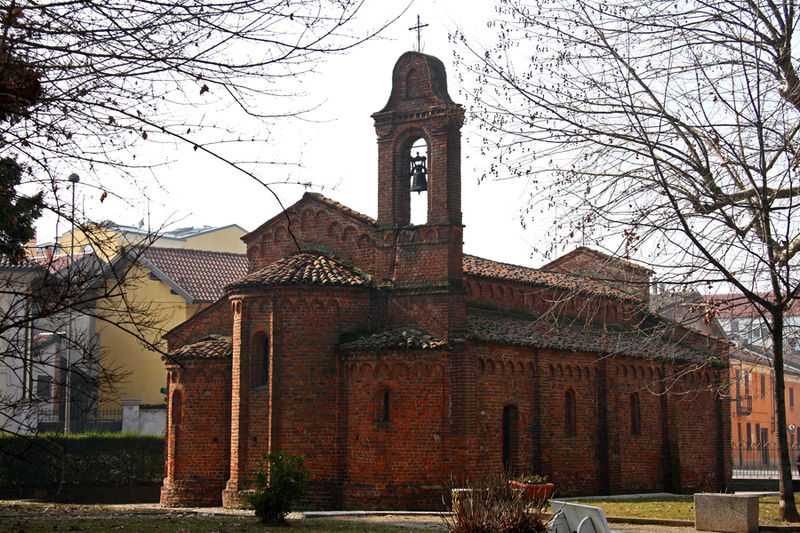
(24, 264)
(210, 347)
(341, 207)
(600, 256)
(201, 274)
(727, 306)
(397, 338)
(486, 268)
(657, 341)
(304, 268)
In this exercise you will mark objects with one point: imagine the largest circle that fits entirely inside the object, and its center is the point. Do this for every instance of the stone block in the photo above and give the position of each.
(726, 512)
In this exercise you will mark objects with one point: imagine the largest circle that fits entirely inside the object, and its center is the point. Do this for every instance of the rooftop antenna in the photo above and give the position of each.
(418, 28)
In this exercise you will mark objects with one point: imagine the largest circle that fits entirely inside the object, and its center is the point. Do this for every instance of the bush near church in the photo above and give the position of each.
(57, 463)
(275, 493)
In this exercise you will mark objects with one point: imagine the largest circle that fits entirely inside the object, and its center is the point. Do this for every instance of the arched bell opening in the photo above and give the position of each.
(418, 165)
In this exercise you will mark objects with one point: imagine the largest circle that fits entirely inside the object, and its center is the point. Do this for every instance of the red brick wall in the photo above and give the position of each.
(571, 461)
(517, 296)
(695, 429)
(318, 226)
(613, 271)
(400, 463)
(303, 416)
(198, 433)
(214, 319)
(635, 461)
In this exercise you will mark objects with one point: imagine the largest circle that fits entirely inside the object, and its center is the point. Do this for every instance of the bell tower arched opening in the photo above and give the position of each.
(418, 184)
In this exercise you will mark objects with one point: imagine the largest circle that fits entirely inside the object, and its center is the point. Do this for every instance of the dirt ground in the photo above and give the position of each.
(73, 518)
(434, 523)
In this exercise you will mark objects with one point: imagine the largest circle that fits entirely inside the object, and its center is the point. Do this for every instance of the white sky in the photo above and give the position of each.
(338, 151)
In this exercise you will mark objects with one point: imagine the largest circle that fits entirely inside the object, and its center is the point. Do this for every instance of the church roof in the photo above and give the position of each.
(599, 256)
(210, 347)
(655, 340)
(487, 268)
(304, 268)
(396, 338)
(341, 207)
(197, 275)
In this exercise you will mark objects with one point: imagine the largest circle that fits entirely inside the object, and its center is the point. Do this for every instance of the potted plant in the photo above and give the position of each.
(534, 486)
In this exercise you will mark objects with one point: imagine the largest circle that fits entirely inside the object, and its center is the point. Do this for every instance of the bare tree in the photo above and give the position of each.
(95, 88)
(664, 128)
(85, 85)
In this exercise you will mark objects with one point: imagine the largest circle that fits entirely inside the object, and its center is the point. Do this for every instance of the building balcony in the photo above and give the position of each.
(744, 405)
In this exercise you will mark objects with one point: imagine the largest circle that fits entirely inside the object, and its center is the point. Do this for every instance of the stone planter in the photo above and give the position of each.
(534, 491)
(732, 513)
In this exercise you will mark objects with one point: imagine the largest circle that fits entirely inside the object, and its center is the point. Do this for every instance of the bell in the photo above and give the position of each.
(418, 181)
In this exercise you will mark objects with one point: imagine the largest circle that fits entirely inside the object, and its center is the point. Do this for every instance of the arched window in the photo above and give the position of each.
(259, 359)
(636, 415)
(510, 438)
(175, 408)
(418, 202)
(385, 415)
(569, 413)
(173, 431)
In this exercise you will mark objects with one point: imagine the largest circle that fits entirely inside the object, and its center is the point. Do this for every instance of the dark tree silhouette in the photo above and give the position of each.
(85, 85)
(658, 127)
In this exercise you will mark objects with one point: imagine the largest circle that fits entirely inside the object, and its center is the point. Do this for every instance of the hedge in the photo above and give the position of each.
(50, 461)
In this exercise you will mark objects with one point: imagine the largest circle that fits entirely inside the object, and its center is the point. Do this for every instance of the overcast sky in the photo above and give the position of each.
(337, 148)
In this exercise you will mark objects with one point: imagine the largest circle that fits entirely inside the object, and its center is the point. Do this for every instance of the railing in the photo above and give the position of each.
(83, 418)
(744, 405)
(761, 461)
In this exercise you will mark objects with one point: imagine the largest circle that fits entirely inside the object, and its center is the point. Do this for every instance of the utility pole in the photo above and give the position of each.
(74, 179)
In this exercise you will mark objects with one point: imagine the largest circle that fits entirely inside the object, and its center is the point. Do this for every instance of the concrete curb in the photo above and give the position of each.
(649, 521)
(331, 514)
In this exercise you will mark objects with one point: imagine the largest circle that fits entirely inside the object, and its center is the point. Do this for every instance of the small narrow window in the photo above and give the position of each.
(175, 408)
(749, 440)
(747, 383)
(763, 386)
(259, 359)
(510, 438)
(386, 408)
(791, 398)
(569, 413)
(636, 415)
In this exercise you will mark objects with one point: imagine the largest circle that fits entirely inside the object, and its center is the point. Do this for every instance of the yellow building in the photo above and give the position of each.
(106, 239)
(166, 279)
(163, 287)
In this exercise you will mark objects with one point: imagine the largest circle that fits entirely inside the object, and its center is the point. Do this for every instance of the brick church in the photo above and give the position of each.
(393, 362)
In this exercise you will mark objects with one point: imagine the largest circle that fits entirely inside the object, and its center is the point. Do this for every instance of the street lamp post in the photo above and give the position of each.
(74, 179)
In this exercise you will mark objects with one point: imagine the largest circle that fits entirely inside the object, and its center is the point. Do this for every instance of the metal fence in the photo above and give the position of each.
(51, 417)
(761, 461)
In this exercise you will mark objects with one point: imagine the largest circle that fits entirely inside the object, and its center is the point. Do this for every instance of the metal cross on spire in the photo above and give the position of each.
(418, 27)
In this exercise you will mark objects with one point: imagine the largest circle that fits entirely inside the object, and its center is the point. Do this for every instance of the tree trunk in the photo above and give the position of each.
(788, 509)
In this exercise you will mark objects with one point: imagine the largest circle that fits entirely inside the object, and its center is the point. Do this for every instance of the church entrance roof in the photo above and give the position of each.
(304, 268)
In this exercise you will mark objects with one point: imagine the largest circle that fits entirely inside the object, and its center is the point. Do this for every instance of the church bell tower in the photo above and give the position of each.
(425, 258)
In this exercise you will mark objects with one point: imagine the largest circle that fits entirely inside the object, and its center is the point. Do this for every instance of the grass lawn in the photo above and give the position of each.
(681, 509)
(179, 524)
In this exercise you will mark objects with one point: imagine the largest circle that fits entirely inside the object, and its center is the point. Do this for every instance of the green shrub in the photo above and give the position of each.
(280, 482)
(48, 461)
